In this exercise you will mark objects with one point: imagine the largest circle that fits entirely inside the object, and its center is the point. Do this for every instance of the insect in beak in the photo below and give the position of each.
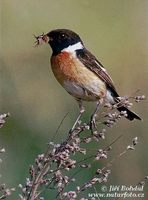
(43, 38)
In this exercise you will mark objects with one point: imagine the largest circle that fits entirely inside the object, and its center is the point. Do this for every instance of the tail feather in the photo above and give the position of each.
(130, 114)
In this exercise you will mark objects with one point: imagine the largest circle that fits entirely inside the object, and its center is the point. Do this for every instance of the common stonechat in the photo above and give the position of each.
(79, 71)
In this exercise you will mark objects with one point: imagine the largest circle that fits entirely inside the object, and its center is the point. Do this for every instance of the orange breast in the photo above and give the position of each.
(84, 83)
(64, 67)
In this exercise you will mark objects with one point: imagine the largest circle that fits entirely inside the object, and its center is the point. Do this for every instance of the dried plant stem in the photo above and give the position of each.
(96, 192)
(4, 191)
(51, 169)
(34, 194)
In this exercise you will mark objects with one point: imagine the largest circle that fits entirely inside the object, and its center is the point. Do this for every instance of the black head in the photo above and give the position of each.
(60, 39)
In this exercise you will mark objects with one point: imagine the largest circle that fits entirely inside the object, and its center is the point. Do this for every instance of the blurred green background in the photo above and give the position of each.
(116, 31)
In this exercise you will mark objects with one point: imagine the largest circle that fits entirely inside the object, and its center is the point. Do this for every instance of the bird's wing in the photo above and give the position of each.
(90, 61)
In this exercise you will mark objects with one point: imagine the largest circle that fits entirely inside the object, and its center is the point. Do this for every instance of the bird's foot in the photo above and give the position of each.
(93, 125)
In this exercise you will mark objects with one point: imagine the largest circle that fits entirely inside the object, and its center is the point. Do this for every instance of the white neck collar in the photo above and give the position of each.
(74, 47)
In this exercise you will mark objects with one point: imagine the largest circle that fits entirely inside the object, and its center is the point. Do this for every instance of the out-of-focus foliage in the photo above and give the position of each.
(115, 31)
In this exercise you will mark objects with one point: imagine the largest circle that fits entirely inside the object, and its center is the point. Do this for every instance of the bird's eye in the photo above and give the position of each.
(63, 35)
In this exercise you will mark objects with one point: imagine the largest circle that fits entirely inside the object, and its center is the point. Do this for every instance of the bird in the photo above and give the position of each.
(80, 73)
